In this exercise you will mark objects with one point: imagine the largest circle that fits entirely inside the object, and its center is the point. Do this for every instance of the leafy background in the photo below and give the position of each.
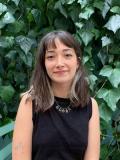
(96, 25)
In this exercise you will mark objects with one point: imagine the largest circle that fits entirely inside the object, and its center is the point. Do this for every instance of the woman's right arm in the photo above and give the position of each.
(22, 136)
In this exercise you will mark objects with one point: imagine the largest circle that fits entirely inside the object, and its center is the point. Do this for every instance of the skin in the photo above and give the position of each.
(61, 64)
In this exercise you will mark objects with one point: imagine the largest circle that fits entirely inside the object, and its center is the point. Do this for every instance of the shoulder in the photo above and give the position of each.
(26, 99)
(25, 105)
(95, 108)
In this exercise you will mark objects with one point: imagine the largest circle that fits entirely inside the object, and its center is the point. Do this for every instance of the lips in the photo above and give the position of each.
(60, 71)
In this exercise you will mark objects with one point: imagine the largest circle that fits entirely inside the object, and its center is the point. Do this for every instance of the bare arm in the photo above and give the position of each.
(93, 149)
(22, 136)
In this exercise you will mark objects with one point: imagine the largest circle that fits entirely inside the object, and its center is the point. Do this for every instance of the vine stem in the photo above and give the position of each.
(100, 88)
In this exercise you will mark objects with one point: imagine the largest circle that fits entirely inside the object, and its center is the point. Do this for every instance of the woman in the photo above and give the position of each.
(57, 119)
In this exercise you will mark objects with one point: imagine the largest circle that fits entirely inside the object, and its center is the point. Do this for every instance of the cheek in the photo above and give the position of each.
(48, 67)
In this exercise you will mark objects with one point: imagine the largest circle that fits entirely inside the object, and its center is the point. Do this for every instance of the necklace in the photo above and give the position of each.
(61, 109)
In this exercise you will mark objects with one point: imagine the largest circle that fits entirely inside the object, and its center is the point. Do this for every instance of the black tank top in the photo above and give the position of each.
(60, 135)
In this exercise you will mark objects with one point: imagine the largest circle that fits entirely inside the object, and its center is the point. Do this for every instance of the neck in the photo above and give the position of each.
(61, 90)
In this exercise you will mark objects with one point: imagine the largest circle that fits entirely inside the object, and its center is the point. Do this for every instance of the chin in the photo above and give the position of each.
(62, 81)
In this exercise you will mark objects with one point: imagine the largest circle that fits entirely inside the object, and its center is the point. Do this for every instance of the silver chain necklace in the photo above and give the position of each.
(61, 109)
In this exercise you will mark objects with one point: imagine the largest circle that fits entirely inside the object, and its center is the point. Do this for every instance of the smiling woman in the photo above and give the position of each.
(61, 64)
(62, 119)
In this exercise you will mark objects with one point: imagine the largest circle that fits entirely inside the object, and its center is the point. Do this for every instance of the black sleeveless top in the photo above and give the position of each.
(60, 135)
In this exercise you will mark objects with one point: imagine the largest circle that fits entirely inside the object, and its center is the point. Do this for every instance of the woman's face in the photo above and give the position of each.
(61, 63)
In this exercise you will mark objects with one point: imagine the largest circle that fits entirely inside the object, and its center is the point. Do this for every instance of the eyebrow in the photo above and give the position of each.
(64, 50)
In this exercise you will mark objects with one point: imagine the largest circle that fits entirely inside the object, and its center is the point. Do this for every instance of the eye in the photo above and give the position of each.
(50, 57)
(68, 55)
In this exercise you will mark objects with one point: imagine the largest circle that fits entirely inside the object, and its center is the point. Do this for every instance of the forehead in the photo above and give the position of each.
(56, 44)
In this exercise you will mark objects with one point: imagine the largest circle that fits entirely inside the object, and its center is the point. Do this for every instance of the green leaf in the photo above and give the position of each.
(11, 55)
(92, 81)
(106, 71)
(2, 24)
(16, 27)
(70, 1)
(3, 8)
(103, 56)
(27, 59)
(6, 42)
(85, 59)
(37, 15)
(110, 96)
(19, 77)
(115, 77)
(105, 112)
(25, 43)
(106, 41)
(86, 13)
(79, 24)
(16, 2)
(86, 37)
(114, 23)
(106, 7)
(115, 9)
(59, 6)
(6, 93)
(96, 32)
(112, 74)
(83, 3)
(98, 4)
(8, 18)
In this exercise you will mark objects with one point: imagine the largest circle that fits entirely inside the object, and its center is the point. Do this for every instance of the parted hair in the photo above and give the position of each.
(40, 85)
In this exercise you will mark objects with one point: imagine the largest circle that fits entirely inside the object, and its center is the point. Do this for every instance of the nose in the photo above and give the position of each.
(59, 62)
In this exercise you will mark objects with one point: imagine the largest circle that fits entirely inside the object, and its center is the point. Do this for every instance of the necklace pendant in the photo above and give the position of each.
(63, 110)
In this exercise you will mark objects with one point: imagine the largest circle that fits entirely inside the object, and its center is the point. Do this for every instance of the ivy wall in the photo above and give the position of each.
(96, 25)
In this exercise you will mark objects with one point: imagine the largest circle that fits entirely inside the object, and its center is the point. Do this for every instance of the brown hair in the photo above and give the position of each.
(41, 90)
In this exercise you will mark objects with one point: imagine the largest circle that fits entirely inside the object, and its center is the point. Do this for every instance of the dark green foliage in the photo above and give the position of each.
(96, 25)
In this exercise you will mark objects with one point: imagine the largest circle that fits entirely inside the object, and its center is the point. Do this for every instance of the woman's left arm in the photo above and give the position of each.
(93, 149)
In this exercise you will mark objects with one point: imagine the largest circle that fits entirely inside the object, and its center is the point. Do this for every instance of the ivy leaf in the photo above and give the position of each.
(106, 7)
(6, 93)
(16, 27)
(87, 13)
(6, 42)
(103, 56)
(3, 8)
(99, 5)
(105, 112)
(37, 15)
(92, 81)
(62, 10)
(83, 3)
(27, 59)
(115, 77)
(25, 43)
(114, 23)
(115, 9)
(110, 96)
(112, 74)
(105, 41)
(11, 55)
(70, 1)
(16, 2)
(8, 18)
(86, 37)
(79, 24)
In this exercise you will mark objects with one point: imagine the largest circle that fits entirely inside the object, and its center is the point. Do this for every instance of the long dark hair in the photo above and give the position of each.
(41, 90)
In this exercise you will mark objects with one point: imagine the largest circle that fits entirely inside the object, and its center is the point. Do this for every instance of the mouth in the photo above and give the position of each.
(60, 72)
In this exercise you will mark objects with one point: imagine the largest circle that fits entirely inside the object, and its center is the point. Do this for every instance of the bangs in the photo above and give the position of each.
(49, 41)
